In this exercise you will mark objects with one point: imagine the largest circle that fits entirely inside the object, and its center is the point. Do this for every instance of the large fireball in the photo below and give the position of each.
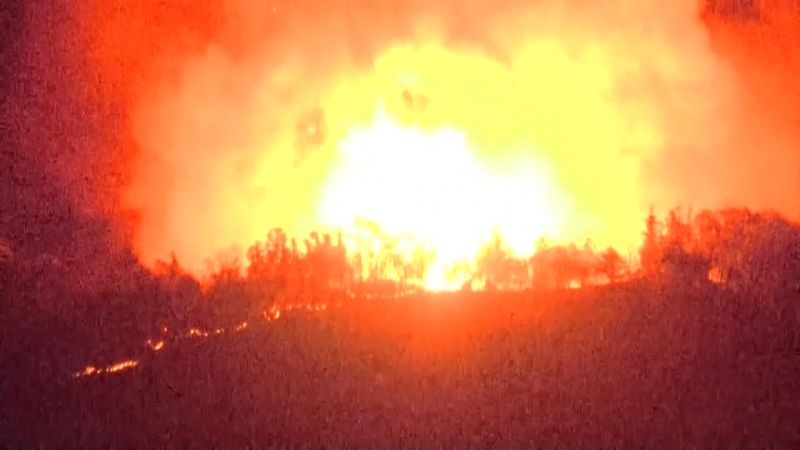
(432, 186)
(448, 124)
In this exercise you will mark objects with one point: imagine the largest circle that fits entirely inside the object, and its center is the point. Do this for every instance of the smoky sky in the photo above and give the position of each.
(54, 131)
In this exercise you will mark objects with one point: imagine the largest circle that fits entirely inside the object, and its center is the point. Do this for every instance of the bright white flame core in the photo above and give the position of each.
(431, 185)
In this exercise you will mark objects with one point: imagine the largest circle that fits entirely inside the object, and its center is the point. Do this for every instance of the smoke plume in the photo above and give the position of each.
(236, 109)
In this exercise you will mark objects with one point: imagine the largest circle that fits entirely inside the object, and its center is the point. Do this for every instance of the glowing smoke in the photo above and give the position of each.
(238, 111)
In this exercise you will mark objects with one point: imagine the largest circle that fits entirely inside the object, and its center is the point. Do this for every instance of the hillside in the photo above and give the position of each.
(642, 364)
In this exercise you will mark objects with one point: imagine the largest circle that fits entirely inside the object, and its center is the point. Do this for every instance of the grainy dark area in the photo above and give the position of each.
(637, 365)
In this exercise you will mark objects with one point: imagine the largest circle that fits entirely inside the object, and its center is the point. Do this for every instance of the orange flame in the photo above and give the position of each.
(155, 345)
(111, 369)
(526, 120)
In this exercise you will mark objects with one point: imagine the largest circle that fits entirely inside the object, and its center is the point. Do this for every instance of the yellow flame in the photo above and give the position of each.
(445, 145)
(113, 368)
(433, 186)
(123, 365)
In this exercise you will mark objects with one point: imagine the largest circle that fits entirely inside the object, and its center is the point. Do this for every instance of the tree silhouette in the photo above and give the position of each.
(611, 265)
(650, 253)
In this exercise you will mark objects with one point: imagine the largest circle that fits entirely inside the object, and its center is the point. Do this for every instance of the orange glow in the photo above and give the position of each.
(88, 371)
(123, 365)
(431, 186)
(715, 275)
(488, 155)
(155, 345)
(111, 369)
(273, 313)
(196, 332)
(469, 121)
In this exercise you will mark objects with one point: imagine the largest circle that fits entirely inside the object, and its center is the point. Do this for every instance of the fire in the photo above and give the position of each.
(273, 313)
(433, 187)
(155, 345)
(463, 148)
(715, 275)
(442, 125)
(117, 367)
(123, 365)
(448, 148)
(196, 332)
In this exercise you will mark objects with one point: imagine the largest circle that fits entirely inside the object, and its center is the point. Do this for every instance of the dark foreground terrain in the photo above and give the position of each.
(625, 366)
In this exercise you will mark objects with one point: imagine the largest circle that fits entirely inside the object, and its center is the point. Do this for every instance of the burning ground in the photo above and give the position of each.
(623, 366)
(698, 348)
